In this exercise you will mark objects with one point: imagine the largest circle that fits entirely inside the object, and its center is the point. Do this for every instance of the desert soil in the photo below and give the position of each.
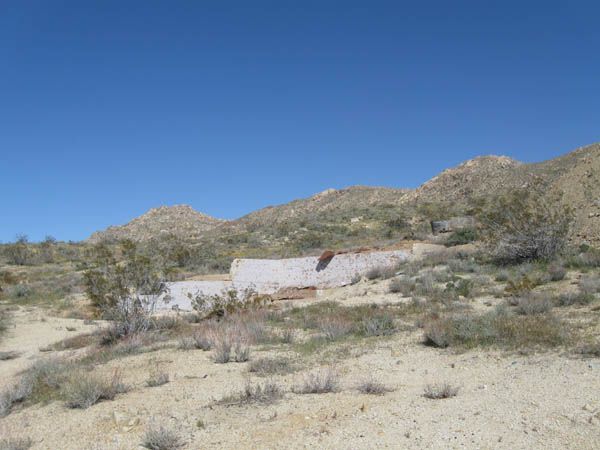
(506, 400)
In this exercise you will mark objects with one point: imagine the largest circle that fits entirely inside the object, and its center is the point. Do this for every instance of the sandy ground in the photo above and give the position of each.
(506, 400)
(31, 330)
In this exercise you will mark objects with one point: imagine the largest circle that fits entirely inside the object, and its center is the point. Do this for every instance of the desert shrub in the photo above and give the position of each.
(22, 292)
(288, 335)
(590, 349)
(19, 443)
(227, 302)
(525, 224)
(226, 349)
(15, 394)
(334, 328)
(587, 258)
(556, 272)
(202, 341)
(496, 328)
(382, 273)
(241, 352)
(319, 382)
(18, 252)
(158, 437)
(463, 265)
(265, 393)
(40, 382)
(157, 377)
(271, 366)
(86, 389)
(126, 293)
(425, 286)
(589, 284)
(520, 286)
(307, 241)
(461, 237)
(186, 343)
(372, 387)
(440, 391)
(401, 285)
(166, 323)
(502, 276)
(7, 356)
(378, 325)
(574, 298)
(460, 287)
(533, 304)
(222, 351)
(4, 321)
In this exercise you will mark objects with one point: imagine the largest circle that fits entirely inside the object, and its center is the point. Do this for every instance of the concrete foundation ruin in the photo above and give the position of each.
(269, 276)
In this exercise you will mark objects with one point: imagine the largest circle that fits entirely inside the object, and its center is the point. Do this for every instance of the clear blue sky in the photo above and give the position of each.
(108, 108)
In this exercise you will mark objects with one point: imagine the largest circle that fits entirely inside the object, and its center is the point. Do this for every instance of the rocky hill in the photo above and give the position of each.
(348, 202)
(181, 221)
(361, 215)
(474, 178)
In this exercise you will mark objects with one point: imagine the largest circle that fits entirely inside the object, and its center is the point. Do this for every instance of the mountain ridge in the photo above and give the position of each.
(576, 174)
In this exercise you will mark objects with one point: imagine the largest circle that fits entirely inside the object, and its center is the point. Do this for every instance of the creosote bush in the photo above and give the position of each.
(525, 224)
(126, 293)
(461, 237)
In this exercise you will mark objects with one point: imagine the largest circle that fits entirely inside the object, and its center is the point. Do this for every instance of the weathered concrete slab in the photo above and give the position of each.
(177, 293)
(270, 275)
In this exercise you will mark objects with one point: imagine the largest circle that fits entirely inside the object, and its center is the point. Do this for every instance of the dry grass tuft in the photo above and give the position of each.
(440, 391)
(157, 377)
(334, 328)
(266, 393)
(372, 387)
(497, 328)
(319, 382)
(378, 325)
(15, 443)
(271, 366)
(157, 437)
(5, 356)
(86, 389)
(532, 304)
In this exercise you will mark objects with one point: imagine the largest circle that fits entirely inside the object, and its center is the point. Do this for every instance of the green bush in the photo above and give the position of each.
(525, 224)
(461, 237)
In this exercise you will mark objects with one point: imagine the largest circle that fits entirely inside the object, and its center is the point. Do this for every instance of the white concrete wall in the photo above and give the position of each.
(269, 275)
(177, 293)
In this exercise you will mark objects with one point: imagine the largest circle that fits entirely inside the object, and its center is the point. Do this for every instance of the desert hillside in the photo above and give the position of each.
(179, 220)
(361, 215)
